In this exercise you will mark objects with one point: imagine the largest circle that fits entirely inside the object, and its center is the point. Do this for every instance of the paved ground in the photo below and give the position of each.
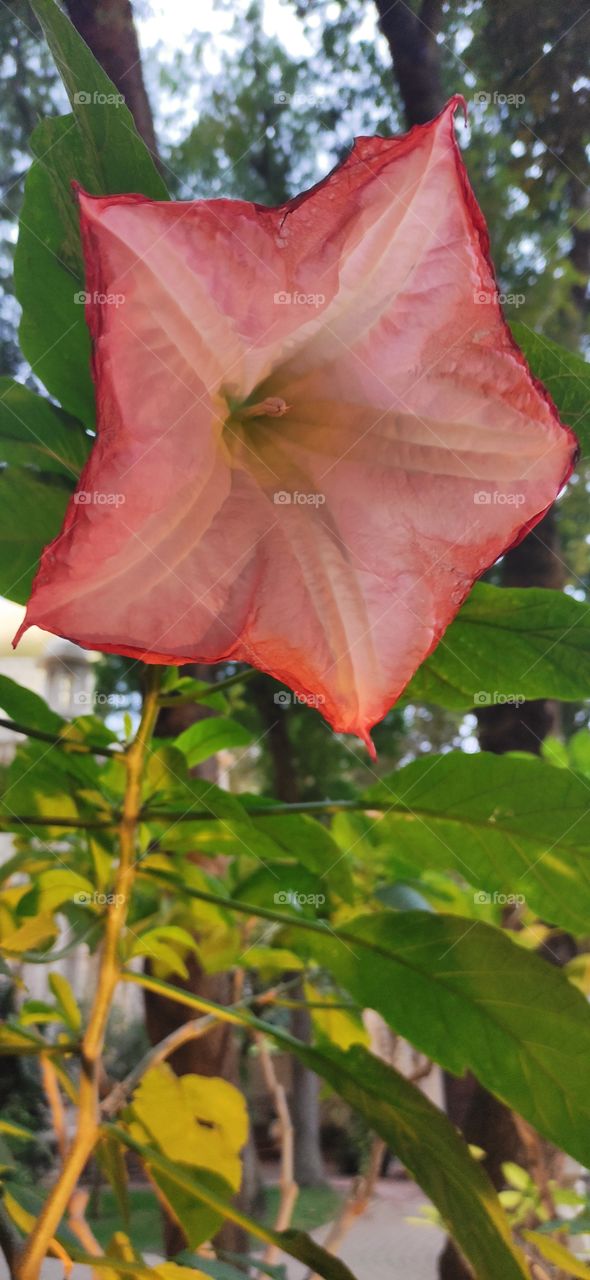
(381, 1245)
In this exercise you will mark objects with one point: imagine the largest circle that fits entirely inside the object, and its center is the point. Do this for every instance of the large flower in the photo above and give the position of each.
(314, 429)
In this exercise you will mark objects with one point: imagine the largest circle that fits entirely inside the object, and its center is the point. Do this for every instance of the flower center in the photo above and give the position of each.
(270, 407)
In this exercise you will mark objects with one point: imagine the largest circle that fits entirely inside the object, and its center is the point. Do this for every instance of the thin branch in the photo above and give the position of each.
(87, 1131)
(59, 740)
(356, 1203)
(79, 1200)
(192, 1030)
(325, 807)
(288, 1186)
(51, 1089)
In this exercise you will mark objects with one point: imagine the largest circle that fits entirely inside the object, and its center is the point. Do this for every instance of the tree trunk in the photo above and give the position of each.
(305, 1100)
(415, 55)
(108, 28)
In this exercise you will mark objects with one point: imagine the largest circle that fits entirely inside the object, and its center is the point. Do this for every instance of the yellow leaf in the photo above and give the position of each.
(198, 1120)
(172, 1271)
(36, 929)
(338, 1025)
(557, 1253)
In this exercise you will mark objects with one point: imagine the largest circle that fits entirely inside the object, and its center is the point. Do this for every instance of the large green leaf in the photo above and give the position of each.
(32, 509)
(565, 374)
(507, 644)
(206, 737)
(509, 826)
(98, 145)
(27, 707)
(34, 432)
(473, 1000)
(430, 1148)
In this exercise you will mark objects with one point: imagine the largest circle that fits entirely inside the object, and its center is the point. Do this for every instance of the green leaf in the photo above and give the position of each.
(34, 432)
(508, 644)
(565, 374)
(473, 1000)
(508, 826)
(99, 147)
(66, 1001)
(430, 1148)
(206, 737)
(17, 1131)
(27, 707)
(32, 509)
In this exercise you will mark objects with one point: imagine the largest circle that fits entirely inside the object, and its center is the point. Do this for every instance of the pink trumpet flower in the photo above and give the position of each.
(315, 430)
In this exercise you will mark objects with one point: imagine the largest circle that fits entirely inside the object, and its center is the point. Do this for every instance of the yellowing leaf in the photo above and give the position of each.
(557, 1253)
(172, 1271)
(36, 929)
(198, 1120)
(341, 1027)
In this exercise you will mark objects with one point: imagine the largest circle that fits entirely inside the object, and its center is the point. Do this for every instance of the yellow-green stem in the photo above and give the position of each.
(87, 1130)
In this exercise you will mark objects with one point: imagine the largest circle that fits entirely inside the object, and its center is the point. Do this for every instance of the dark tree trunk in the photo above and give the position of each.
(305, 1109)
(411, 37)
(108, 28)
(305, 1101)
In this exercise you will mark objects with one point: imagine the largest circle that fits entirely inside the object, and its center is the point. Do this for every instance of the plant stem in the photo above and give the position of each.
(87, 1130)
(326, 807)
(60, 740)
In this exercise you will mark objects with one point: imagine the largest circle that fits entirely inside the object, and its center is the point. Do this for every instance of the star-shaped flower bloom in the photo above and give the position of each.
(314, 429)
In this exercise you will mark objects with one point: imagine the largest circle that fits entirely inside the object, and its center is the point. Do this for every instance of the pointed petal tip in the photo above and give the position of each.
(24, 626)
(365, 737)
